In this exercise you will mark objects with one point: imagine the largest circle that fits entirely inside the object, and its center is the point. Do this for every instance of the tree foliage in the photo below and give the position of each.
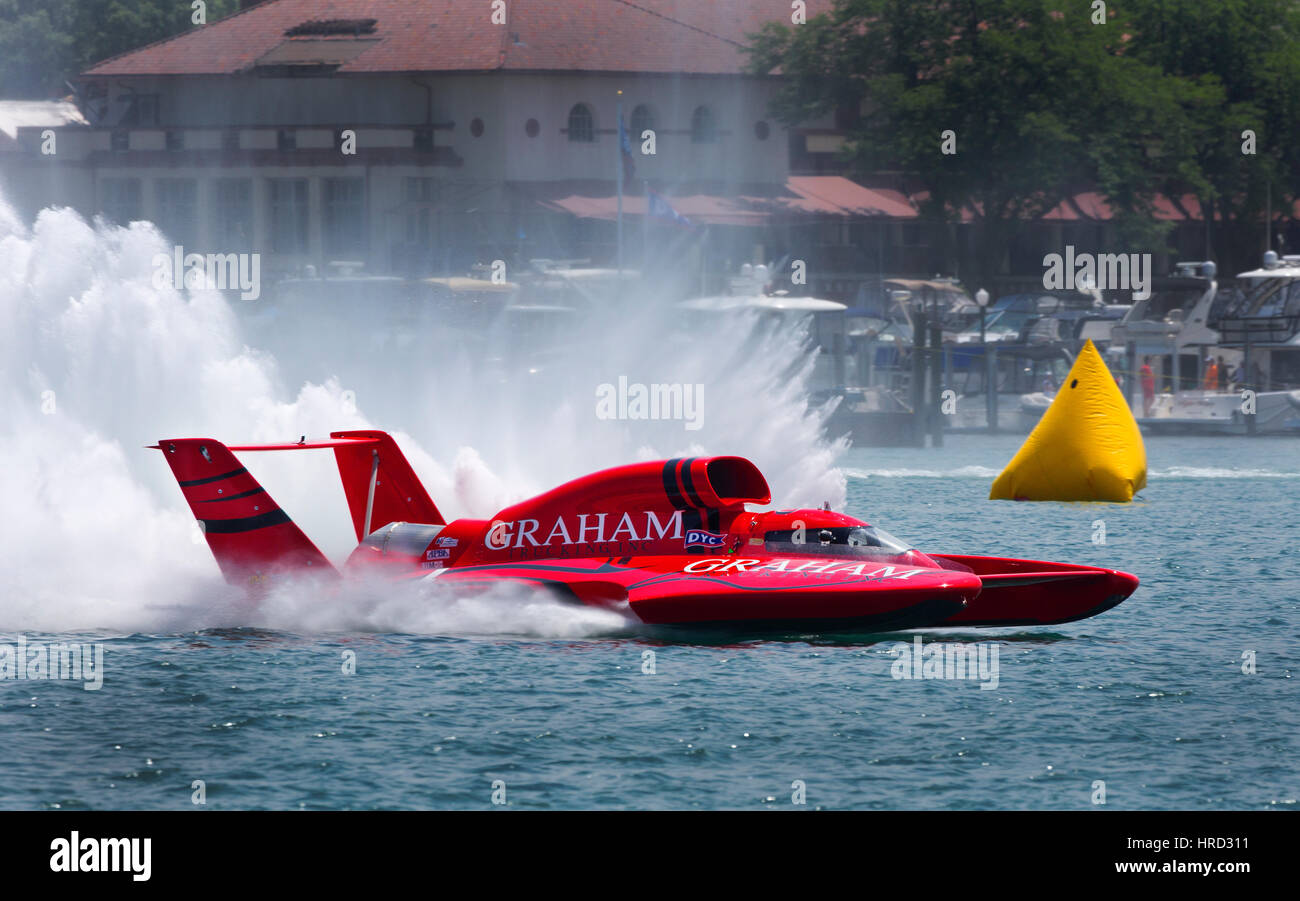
(1045, 100)
(1245, 54)
(46, 43)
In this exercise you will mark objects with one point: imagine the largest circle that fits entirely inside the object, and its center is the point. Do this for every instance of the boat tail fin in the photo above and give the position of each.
(379, 483)
(249, 534)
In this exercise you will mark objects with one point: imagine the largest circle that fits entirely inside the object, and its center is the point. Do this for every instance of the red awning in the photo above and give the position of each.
(817, 196)
(1092, 206)
(837, 195)
(701, 209)
(807, 195)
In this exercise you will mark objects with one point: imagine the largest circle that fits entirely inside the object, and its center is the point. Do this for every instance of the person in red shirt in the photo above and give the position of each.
(1211, 381)
(1148, 386)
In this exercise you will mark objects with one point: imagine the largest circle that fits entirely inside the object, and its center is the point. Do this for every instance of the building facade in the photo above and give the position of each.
(423, 138)
(412, 137)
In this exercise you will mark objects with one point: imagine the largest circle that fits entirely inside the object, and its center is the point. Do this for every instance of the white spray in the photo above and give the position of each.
(96, 362)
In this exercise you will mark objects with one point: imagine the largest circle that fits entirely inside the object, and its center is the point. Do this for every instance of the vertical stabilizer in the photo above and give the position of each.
(379, 484)
(251, 537)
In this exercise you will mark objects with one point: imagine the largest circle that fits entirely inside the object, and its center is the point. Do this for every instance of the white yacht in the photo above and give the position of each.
(1260, 322)
(1189, 329)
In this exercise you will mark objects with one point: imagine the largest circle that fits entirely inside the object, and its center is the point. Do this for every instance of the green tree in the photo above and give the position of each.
(46, 43)
(1246, 55)
(1043, 101)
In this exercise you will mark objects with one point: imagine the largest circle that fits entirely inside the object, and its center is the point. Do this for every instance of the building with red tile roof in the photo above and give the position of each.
(426, 136)
(671, 37)
(429, 135)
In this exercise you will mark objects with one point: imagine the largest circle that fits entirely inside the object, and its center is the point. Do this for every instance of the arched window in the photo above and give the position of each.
(642, 118)
(703, 129)
(581, 125)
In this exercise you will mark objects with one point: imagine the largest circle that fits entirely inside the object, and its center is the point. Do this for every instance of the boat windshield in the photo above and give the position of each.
(1271, 297)
(1161, 305)
(840, 541)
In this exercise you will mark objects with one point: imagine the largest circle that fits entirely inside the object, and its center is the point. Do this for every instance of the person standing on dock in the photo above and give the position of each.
(1148, 386)
(1239, 375)
(1211, 380)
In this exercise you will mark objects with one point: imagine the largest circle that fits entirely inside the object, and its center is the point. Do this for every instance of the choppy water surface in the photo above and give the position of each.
(1149, 698)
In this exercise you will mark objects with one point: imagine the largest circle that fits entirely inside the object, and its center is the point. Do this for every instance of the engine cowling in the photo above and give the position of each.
(644, 508)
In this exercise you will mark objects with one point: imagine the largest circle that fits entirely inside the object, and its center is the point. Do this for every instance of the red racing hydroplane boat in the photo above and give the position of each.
(672, 541)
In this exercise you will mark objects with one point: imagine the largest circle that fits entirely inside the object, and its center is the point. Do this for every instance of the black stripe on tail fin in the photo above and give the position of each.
(251, 537)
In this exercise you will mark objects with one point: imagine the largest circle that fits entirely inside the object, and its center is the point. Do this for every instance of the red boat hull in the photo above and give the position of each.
(1036, 593)
(671, 542)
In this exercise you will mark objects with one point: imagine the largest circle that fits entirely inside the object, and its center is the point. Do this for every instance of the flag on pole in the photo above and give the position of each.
(620, 175)
(660, 208)
(625, 145)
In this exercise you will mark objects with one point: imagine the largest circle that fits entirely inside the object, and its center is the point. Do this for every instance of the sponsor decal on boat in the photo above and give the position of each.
(437, 554)
(700, 538)
(802, 566)
(584, 534)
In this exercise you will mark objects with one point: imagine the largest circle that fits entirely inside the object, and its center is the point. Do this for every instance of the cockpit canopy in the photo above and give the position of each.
(859, 542)
(847, 541)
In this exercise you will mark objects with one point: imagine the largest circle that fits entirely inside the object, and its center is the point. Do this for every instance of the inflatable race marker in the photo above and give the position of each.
(1087, 446)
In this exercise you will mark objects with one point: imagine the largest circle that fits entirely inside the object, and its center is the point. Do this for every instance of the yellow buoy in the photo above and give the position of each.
(1087, 446)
